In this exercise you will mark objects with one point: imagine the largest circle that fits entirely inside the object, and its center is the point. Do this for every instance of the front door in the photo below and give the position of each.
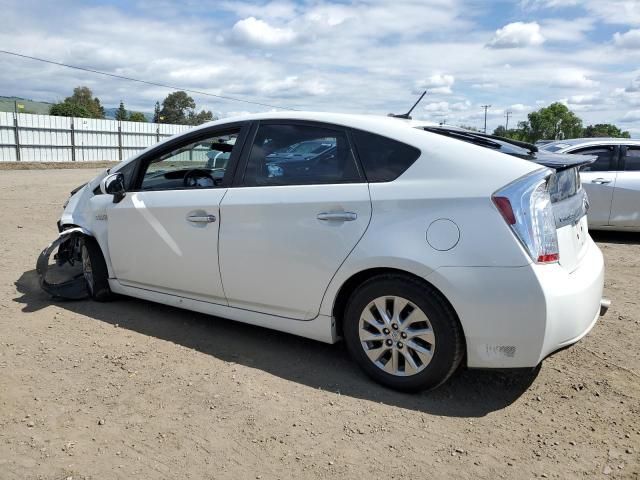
(598, 180)
(163, 235)
(625, 208)
(299, 209)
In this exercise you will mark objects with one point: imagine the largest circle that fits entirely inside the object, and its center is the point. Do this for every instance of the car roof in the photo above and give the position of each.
(344, 119)
(572, 142)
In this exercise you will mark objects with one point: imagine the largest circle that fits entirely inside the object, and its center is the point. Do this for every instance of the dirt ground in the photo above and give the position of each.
(132, 389)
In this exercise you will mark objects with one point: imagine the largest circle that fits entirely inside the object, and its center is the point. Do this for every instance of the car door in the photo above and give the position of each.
(290, 220)
(163, 235)
(625, 207)
(598, 180)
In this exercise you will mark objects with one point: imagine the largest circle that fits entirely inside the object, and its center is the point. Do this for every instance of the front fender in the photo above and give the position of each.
(68, 280)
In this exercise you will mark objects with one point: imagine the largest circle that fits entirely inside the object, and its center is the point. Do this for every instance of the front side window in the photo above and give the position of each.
(632, 159)
(200, 164)
(604, 161)
(289, 154)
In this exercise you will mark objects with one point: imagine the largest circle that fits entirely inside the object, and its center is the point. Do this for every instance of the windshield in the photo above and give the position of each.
(553, 147)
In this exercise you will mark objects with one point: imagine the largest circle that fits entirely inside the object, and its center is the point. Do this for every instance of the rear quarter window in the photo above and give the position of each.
(382, 158)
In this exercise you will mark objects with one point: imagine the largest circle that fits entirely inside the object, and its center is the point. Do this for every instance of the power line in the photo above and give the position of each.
(122, 77)
(485, 116)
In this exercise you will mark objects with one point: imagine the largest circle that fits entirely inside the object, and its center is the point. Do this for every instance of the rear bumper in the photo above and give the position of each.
(573, 300)
(515, 317)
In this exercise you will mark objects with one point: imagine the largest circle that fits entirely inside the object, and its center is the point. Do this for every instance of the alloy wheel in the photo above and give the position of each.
(396, 335)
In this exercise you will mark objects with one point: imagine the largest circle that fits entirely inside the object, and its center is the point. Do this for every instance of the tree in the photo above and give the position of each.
(604, 130)
(512, 133)
(469, 127)
(137, 117)
(156, 113)
(180, 108)
(68, 109)
(121, 113)
(204, 116)
(555, 122)
(81, 104)
(175, 108)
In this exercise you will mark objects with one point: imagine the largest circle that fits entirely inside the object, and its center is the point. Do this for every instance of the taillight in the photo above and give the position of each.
(526, 207)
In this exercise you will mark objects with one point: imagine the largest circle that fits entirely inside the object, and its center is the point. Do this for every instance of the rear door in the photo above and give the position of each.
(625, 208)
(598, 180)
(288, 222)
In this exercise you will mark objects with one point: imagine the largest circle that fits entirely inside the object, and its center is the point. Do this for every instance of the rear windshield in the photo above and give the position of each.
(564, 184)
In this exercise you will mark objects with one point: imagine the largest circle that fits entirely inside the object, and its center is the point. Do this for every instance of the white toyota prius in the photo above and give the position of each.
(418, 249)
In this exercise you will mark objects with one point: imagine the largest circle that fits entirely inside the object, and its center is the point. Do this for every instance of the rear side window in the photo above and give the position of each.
(632, 159)
(290, 154)
(382, 158)
(604, 161)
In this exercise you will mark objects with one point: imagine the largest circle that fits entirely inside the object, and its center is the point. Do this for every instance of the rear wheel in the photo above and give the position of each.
(403, 333)
(94, 269)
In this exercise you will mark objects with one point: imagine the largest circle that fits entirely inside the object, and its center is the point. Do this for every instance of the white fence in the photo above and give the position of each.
(43, 138)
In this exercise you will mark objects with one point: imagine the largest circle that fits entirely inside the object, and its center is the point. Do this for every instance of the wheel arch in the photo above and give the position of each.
(349, 286)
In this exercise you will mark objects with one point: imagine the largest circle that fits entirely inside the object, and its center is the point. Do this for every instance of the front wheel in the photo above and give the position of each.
(402, 333)
(95, 270)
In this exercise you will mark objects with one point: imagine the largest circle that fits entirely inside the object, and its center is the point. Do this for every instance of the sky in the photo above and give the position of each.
(361, 56)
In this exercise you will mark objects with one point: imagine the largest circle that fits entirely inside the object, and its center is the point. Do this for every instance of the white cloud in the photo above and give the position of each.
(632, 116)
(618, 12)
(437, 83)
(572, 79)
(549, 3)
(517, 35)
(630, 39)
(437, 108)
(260, 33)
(591, 99)
(570, 30)
(519, 107)
(634, 86)
(485, 86)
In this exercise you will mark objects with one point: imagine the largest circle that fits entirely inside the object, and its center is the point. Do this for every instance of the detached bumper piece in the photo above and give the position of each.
(63, 278)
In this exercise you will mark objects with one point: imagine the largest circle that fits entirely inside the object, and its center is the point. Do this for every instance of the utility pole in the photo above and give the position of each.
(507, 114)
(485, 116)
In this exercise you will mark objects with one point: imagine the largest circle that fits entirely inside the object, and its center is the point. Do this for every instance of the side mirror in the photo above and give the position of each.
(114, 185)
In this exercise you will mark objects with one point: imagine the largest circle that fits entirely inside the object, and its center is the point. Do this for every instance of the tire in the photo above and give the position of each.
(424, 331)
(95, 270)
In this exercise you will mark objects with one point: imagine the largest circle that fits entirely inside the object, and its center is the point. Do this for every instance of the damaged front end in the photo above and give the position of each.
(64, 277)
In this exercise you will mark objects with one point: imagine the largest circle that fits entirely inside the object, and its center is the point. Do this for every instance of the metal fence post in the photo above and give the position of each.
(73, 142)
(158, 134)
(17, 134)
(119, 140)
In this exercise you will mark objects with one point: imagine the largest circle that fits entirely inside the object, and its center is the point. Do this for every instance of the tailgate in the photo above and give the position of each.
(570, 205)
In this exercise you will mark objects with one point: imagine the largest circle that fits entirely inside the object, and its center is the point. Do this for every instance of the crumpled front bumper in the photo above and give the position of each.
(64, 278)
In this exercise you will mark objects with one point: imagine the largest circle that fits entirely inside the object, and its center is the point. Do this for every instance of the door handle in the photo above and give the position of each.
(202, 218)
(600, 181)
(337, 216)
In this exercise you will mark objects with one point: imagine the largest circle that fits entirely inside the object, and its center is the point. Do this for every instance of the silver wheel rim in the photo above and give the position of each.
(87, 271)
(397, 336)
